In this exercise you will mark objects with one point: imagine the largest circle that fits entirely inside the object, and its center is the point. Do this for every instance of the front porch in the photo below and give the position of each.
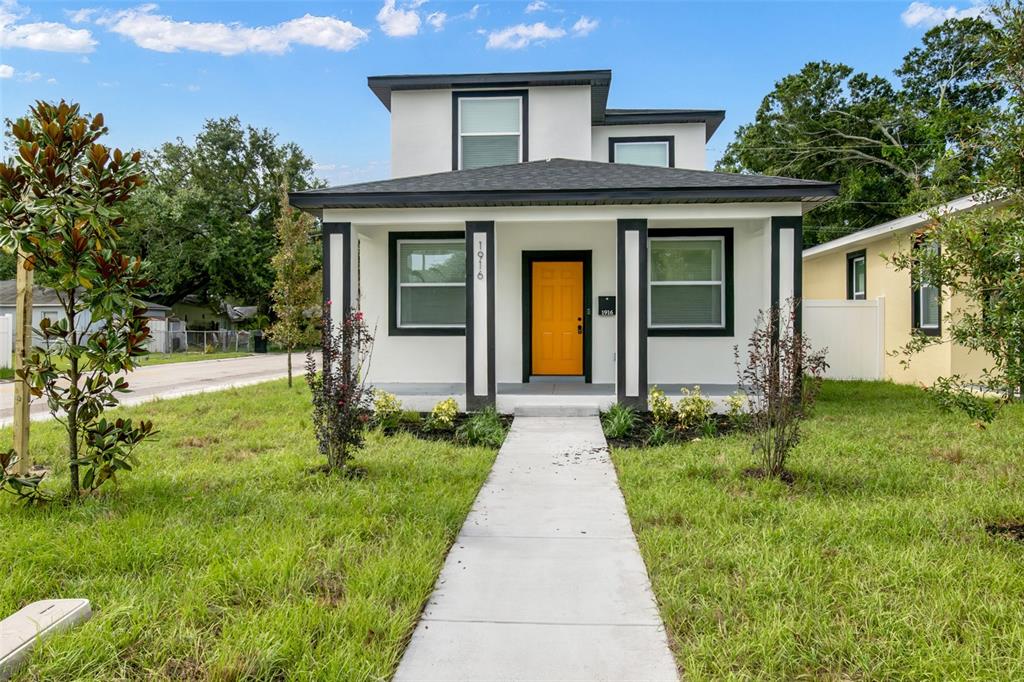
(513, 397)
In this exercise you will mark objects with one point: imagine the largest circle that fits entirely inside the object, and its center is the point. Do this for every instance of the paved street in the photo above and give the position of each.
(178, 379)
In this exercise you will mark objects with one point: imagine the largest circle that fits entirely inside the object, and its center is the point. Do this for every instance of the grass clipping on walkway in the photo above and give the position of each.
(225, 557)
(875, 564)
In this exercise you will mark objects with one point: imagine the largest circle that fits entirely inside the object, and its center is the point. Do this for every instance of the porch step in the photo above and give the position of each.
(555, 411)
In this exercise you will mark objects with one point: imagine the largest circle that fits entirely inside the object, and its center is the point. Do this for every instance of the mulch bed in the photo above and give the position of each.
(641, 435)
(420, 430)
(1009, 530)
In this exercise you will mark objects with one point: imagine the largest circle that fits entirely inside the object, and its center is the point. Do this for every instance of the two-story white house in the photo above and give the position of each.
(531, 238)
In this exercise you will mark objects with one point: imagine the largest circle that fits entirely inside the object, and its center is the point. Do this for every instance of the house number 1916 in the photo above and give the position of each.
(480, 259)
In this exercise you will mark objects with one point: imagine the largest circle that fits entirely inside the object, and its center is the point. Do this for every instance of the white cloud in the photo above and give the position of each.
(29, 76)
(6, 71)
(927, 15)
(471, 14)
(40, 35)
(192, 87)
(522, 35)
(51, 81)
(397, 22)
(584, 27)
(437, 19)
(80, 16)
(536, 6)
(161, 33)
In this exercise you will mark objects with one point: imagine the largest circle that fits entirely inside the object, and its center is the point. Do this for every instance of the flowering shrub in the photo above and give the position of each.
(442, 417)
(662, 411)
(694, 409)
(736, 410)
(387, 409)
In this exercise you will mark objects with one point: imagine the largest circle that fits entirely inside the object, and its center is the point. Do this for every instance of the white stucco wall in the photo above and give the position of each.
(559, 125)
(689, 141)
(421, 132)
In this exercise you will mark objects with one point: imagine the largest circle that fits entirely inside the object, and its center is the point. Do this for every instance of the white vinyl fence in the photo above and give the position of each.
(853, 332)
(6, 340)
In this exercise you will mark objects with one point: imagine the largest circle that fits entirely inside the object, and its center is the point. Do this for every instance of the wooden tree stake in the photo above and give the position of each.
(22, 344)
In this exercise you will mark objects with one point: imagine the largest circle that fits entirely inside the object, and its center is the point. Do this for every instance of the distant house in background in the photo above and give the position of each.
(847, 278)
(200, 316)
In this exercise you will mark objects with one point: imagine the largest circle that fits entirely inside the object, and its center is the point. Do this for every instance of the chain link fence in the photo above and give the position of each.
(172, 336)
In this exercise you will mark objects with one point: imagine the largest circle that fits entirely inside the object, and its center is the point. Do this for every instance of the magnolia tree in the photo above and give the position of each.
(61, 197)
(976, 258)
(296, 290)
(781, 376)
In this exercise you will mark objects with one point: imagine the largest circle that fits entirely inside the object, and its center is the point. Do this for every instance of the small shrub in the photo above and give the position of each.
(483, 428)
(442, 417)
(736, 411)
(619, 421)
(708, 428)
(659, 435)
(387, 409)
(410, 418)
(662, 411)
(694, 409)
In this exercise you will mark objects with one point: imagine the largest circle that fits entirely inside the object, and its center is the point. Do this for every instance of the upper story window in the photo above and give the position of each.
(642, 151)
(856, 276)
(490, 129)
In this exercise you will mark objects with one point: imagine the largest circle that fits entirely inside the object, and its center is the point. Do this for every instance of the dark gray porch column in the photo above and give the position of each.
(337, 262)
(787, 266)
(481, 389)
(631, 348)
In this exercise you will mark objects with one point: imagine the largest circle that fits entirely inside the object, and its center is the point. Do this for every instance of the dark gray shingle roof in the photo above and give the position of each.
(564, 181)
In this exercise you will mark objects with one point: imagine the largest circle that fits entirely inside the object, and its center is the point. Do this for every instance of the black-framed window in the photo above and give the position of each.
(690, 282)
(489, 128)
(857, 275)
(427, 283)
(648, 150)
(927, 299)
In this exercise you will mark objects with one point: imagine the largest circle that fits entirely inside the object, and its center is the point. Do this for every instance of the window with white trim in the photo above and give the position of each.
(686, 282)
(431, 291)
(490, 131)
(927, 304)
(642, 153)
(857, 271)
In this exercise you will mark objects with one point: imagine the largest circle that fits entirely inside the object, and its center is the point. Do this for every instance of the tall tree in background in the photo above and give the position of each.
(893, 148)
(978, 256)
(206, 218)
(297, 283)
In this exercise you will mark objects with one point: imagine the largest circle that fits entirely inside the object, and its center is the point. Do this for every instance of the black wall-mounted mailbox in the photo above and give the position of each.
(606, 306)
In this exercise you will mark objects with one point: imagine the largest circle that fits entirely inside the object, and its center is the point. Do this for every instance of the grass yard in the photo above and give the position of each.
(223, 557)
(874, 565)
(188, 356)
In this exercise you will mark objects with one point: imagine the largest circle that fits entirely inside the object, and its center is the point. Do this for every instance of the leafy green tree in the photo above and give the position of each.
(297, 284)
(205, 219)
(61, 200)
(977, 257)
(893, 149)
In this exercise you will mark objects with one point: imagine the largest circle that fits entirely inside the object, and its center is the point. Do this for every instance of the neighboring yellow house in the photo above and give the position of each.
(854, 268)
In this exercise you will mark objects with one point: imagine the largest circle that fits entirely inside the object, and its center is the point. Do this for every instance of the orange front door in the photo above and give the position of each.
(557, 334)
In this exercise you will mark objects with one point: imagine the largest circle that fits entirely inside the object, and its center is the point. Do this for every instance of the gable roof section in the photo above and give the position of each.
(711, 118)
(599, 81)
(45, 296)
(910, 222)
(564, 182)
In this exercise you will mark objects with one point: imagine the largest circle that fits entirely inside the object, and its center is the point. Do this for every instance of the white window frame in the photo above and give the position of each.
(920, 306)
(858, 295)
(651, 283)
(399, 285)
(664, 143)
(519, 133)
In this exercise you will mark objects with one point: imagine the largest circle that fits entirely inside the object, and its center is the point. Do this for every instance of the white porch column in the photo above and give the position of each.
(337, 262)
(787, 267)
(631, 347)
(481, 389)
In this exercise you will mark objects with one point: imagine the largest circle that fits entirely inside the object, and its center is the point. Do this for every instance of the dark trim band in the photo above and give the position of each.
(524, 131)
(794, 223)
(474, 229)
(728, 329)
(612, 141)
(531, 257)
(328, 231)
(393, 328)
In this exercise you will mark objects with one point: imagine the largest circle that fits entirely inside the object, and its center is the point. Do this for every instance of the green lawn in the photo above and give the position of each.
(188, 356)
(224, 557)
(874, 565)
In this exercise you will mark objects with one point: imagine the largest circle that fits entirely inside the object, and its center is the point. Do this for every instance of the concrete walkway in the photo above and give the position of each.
(178, 379)
(545, 581)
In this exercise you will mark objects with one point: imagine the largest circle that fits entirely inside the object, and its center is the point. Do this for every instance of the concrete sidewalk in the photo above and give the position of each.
(545, 581)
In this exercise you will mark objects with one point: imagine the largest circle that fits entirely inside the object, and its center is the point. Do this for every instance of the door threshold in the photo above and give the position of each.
(557, 379)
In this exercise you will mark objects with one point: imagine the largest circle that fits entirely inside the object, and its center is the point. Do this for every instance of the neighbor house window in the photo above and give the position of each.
(927, 304)
(429, 283)
(642, 151)
(687, 282)
(490, 130)
(856, 276)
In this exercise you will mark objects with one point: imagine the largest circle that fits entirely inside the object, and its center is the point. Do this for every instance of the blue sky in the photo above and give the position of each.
(156, 71)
